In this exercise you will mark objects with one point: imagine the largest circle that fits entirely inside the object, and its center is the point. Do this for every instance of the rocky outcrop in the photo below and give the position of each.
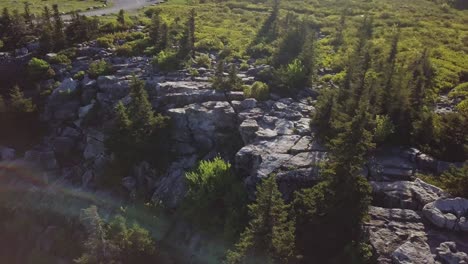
(390, 228)
(447, 253)
(405, 194)
(277, 139)
(415, 250)
(401, 164)
(450, 214)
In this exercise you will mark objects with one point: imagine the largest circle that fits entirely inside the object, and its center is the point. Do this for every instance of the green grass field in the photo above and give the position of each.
(64, 5)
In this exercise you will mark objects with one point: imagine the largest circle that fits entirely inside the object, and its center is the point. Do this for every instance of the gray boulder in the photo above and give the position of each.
(247, 130)
(447, 253)
(415, 250)
(390, 228)
(172, 187)
(404, 194)
(111, 88)
(67, 90)
(94, 145)
(449, 214)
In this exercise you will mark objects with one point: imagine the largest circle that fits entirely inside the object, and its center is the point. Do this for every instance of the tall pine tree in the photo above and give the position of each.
(269, 236)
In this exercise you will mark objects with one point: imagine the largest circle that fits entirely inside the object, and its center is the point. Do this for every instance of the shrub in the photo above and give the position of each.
(215, 198)
(99, 68)
(109, 27)
(383, 128)
(194, 72)
(455, 181)
(290, 77)
(79, 75)
(125, 50)
(60, 59)
(209, 44)
(244, 66)
(258, 90)
(20, 104)
(203, 61)
(460, 90)
(105, 42)
(39, 69)
(166, 61)
(70, 52)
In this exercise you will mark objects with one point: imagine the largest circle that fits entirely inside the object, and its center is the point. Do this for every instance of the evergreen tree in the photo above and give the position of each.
(135, 133)
(6, 27)
(98, 249)
(27, 15)
(187, 43)
(46, 18)
(121, 19)
(234, 82)
(344, 191)
(164, 43)
(308, 56)
(269, 236)
(155, 28)
(81, 28)
(116, 242)
(58, 30)
(191, 30)
(19, 30)
(326, 115)
(20, 104)
(388, 88)
(218, 81)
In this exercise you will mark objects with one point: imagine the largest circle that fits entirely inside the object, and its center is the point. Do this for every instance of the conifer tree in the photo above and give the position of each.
(5, 26)
(269, 236)
(191, 30)
(18, 30)
(27, 15)
(121, 19)
(234, 81)
(58, 33)
(155, 28)
(388, 92)
(219, 79)
(19, 103)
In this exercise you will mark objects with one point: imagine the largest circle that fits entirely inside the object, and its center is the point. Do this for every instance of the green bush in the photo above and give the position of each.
(105, 42)
(79, 75)
(70, 52)
(290, 77)
(455, 181)
(258, 90)
(203, 61)
(166, 61)
(60, 59)
(39, 69)
(215, 198)
(19, 103)
(194, 72)
(99, 68)
(244, 66)
(460, 90)
(209, 44)
(125, 50)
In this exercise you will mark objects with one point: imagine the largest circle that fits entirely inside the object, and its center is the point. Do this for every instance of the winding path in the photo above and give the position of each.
(126, 5)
